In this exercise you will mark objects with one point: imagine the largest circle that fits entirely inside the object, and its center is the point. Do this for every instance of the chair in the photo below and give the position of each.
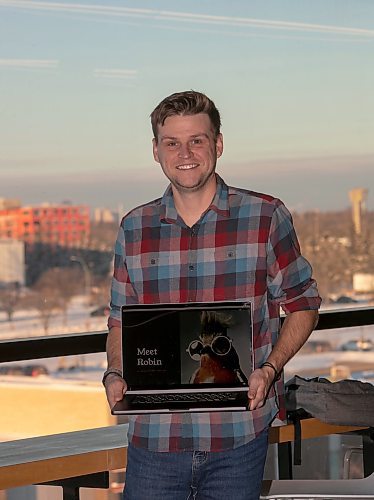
(351, 451)
(318, 488)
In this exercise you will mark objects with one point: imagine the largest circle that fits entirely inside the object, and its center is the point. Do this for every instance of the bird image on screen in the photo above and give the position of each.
(215, 352)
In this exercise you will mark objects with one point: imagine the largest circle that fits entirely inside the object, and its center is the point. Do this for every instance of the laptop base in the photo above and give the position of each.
(140, 404)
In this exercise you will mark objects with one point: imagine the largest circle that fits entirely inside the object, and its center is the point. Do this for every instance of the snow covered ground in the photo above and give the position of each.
(27, 323)
(90, 366)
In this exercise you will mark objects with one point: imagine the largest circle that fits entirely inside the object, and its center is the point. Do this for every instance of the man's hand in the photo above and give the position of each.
(115, 388)
(259, 385)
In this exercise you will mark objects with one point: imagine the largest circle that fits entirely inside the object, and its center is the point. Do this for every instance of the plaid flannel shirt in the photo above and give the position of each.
(243, 248)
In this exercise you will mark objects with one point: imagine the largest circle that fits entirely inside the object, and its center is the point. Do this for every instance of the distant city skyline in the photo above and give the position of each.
(123, 192)
(293, 81)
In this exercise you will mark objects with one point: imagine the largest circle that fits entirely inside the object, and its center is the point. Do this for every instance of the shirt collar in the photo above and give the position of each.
(220, 202)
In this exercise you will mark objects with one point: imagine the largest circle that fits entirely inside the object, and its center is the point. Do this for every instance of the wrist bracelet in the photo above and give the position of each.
(110, 371)
(277, 374)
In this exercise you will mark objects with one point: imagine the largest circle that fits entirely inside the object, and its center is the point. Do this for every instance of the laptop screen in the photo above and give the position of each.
(187, 345)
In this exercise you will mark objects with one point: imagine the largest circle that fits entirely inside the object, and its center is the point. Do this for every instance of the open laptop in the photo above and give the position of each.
(186, 357)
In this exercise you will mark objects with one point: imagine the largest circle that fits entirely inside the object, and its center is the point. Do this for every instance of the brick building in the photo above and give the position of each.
(64, 225)
(12, 262)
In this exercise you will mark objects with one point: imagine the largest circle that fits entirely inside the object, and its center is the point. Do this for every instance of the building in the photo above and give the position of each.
(363, 282)
(6, 203)
(104, 215)
(12, 262)
(358, 197)
(64, 225)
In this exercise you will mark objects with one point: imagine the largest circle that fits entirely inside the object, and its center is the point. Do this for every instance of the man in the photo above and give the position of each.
(204, 241)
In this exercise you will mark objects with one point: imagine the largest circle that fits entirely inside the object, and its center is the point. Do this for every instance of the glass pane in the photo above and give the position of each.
(336, 354)
(293, 82)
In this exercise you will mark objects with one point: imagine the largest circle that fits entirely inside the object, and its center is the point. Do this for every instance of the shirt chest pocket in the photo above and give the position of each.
(160, 260)
(236, 261)
(151, 267)
(223, 254)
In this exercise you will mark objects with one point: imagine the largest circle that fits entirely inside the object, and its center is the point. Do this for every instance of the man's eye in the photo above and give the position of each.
(197, 141)
(171, 144)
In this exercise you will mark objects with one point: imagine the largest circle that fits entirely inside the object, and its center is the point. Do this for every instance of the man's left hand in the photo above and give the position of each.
(259, 384)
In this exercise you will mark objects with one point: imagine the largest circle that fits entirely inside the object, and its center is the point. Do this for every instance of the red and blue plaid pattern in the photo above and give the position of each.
(244, 247)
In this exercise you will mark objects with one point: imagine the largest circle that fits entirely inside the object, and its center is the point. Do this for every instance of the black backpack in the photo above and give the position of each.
(346, 402)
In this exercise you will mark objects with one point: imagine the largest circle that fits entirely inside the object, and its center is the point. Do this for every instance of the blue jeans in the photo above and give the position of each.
(198, 475)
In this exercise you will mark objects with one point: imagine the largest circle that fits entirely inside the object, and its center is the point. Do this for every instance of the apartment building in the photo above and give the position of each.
(64, 225)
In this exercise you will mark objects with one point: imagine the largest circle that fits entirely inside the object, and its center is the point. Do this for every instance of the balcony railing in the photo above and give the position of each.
(94, 342)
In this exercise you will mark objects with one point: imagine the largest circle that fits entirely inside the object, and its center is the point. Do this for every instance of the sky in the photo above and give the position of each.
(293, 80)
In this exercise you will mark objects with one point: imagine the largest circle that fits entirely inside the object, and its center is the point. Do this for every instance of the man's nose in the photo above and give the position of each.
(184, 151)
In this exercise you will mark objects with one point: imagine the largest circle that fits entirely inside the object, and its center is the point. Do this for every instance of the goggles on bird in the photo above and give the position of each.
(220, 346)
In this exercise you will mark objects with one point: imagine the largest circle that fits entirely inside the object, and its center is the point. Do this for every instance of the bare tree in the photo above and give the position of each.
(52, 292)
(100, 291)
(64, 281)
(102, 235)
(46, 302)
(9, 299)
(328, 242)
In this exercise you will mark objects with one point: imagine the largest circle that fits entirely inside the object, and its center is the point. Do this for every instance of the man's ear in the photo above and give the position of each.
(155, 150)
(219, 145)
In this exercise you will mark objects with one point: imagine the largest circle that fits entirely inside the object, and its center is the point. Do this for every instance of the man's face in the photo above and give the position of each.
(187, 151)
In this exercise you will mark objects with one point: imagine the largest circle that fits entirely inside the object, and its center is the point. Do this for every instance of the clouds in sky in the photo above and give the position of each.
(97, 67)
(184, 17)
(48, 64)
(186, 20)
(29, 63)
(121, 74)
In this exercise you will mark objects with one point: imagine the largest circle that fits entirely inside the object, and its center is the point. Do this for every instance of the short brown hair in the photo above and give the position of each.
(188, 102)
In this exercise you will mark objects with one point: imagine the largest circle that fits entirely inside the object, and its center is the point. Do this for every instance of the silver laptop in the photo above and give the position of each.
(189, 357)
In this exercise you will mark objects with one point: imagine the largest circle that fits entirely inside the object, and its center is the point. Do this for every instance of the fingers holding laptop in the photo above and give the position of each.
(259, 384)
(115, 387)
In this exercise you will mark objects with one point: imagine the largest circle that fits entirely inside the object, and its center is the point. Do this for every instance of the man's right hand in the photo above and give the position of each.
(115, 388)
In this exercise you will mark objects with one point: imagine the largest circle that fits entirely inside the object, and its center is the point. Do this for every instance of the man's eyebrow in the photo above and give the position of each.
(204, 134)
(168, 138)
(193, 136)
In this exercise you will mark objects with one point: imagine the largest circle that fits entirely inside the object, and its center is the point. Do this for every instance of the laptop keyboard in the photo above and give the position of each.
(199, 397)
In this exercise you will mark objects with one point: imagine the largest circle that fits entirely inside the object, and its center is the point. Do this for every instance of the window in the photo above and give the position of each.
(294, 87)
(293, 81)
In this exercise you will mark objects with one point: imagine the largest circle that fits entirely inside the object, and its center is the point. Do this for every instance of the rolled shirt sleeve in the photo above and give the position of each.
(290, 280)
(122, 291)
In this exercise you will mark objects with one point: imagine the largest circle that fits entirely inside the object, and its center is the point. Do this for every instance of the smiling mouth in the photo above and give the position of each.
(187, 167)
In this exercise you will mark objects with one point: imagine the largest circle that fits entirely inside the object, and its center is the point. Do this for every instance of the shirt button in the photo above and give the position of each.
(191, 267)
